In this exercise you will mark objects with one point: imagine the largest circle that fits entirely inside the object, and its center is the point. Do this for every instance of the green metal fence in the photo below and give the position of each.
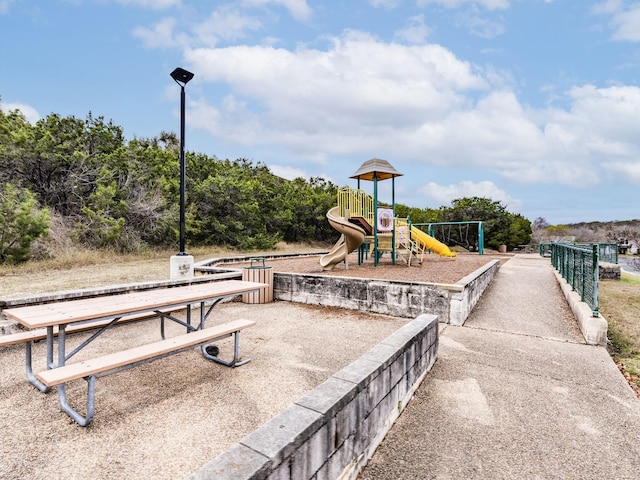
(545, 249)
(578, 265)
(607, 252)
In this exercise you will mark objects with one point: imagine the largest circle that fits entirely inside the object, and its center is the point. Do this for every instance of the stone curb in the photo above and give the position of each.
(594, 329)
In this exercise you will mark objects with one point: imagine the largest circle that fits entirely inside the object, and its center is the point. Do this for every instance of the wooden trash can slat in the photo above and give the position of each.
(261, 274)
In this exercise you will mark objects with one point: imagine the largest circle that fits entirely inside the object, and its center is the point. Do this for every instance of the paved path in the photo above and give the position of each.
(516, 394)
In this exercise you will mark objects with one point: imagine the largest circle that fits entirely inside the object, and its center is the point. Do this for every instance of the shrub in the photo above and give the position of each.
(21, 223)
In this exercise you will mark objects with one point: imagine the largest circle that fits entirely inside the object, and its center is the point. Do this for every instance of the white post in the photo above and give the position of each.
(181, 266)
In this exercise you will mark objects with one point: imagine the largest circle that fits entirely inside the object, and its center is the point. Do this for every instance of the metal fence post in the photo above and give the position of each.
(596, 304)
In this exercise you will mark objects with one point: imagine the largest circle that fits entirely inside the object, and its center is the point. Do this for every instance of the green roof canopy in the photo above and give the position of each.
(376, 168)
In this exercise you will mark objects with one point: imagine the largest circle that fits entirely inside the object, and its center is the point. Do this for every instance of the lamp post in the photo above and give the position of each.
(182, 77)
(182, 267)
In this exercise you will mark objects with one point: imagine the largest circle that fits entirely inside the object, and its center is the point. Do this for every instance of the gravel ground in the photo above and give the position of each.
(166, 419)
(434, 269)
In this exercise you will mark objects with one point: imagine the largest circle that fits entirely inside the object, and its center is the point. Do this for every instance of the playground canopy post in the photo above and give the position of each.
(374, 170)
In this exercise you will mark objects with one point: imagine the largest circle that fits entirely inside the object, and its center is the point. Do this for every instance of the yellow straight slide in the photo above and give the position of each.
(431, 243)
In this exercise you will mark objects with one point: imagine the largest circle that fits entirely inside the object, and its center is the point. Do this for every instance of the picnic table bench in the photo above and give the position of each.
(54, 321)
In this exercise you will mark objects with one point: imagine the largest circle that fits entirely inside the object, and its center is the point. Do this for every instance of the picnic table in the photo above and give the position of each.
(53, 321)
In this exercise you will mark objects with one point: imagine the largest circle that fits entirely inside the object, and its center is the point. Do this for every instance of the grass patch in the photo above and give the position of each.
(620, 304)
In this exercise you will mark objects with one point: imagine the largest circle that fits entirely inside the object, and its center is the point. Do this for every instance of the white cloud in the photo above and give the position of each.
(388, 4)
(30, 113)
(488, 4)
(224, 23)
(287, 172)
(629, 170)
(358, 83)
(359, 96)
(444, 194)
(151, 4)
(545, 146)
(600, 128)
(608, 7)
(480, 26)
(415, 32)
(297, 8)
(625, 20)
(161, 35)
(362, 97)
(626, 24)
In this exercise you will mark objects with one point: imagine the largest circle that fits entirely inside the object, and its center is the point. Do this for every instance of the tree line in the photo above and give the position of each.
(618, 231)
(110, 192)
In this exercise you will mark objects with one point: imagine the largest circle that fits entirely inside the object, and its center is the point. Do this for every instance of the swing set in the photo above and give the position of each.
(462, 234)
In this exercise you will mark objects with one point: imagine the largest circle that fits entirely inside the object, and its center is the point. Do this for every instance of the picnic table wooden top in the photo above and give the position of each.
(51, 314)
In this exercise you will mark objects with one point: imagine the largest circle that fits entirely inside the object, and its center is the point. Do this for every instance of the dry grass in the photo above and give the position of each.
(620, 304)
(74, 268)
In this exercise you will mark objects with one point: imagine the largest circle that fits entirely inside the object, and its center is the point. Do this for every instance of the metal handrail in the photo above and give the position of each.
(578, 265)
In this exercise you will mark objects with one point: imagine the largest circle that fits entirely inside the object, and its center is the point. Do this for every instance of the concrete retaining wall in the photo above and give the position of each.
(452, 303)
(608, 271)
(332, 431)
(401, 299)
(468, 292)
(594, 329)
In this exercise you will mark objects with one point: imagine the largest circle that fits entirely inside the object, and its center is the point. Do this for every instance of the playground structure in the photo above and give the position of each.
(366, 226)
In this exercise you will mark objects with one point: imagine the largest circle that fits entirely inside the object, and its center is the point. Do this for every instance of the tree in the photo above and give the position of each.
(538, 229)
(21, 223)
(226, 209)
(519, 231)
(58, 159)
(102, 221)
(15, 132)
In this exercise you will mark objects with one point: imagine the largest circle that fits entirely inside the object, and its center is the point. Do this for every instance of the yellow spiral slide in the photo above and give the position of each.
(352, 237)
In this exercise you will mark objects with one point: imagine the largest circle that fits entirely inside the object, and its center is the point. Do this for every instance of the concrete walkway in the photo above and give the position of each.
(516, 393)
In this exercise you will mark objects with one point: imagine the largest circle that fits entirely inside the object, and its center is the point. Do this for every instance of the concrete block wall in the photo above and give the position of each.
(401, 299)
(608, 271)
(332, 431)
(470, 290)
(452, 303)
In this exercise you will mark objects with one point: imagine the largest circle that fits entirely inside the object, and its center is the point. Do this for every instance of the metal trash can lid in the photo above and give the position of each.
(257, 260)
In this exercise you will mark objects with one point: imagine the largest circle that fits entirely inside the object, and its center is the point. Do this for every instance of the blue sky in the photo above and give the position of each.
(533, 103)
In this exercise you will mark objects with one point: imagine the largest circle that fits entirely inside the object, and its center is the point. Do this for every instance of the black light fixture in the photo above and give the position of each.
(182, 77)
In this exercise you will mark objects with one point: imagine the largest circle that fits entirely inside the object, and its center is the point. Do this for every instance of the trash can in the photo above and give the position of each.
(258, 272)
